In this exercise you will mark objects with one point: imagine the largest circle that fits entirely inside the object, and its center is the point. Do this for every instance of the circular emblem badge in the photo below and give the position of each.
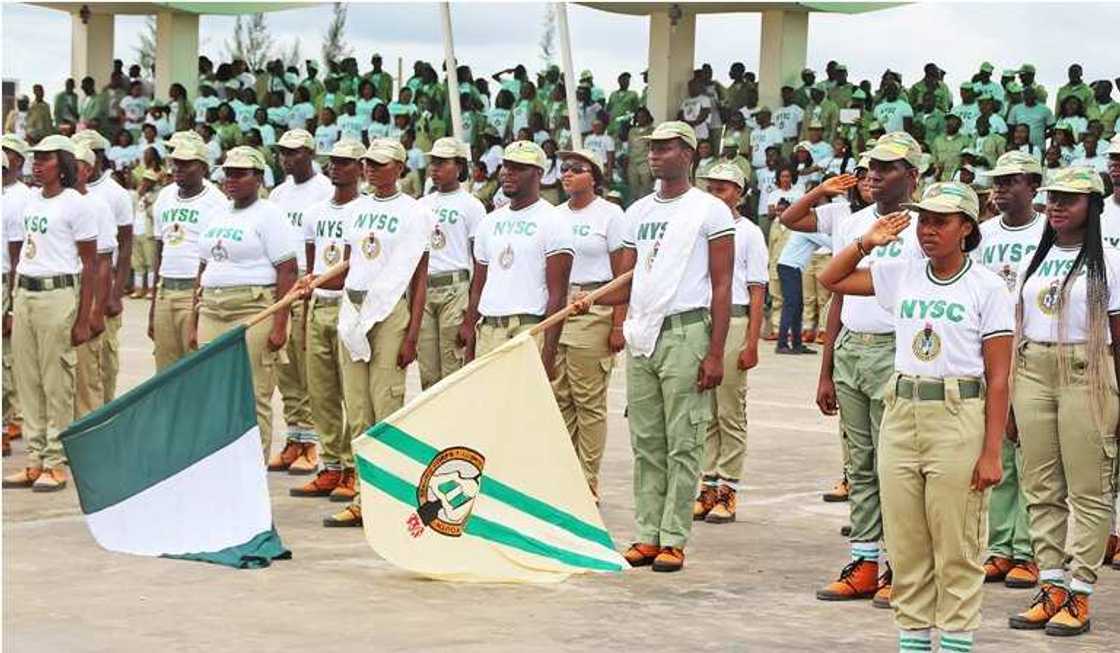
(447, 489)
(219, 252)
(1010, 276)
(927, 344)
(371, 246)
(332, 254)
(505, 259)
(439, 239)
(30, 248)
(174, 234)
(1049, 297)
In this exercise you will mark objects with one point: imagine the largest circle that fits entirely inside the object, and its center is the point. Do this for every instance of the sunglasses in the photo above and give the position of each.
(574, 168)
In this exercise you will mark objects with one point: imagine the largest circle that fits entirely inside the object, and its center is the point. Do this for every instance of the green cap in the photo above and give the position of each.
(585, 154)
(244, 156)
(83, 153)
(897, 146)
(15, 144)
(986, 67)
(53, 143)
(667, 131)
(967, 86)
(188, 150)
(93, 138)
(293, 139)
(450, 147)
(815, 123)
(1075, 179)
(526, 153)
(985, 97)
(726, 172)
(347, 148)
(1026, 68)
(949, 197)
(858, 94)
(730, 141)
(586, 74)
(1015, 163)
(384, 150)
(1066, 125)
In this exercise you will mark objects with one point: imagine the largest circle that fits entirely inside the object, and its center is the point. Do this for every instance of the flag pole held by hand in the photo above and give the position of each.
(294, 295)
(562, 314)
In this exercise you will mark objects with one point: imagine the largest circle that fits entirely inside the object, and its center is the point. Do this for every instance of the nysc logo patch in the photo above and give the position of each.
(446, 492)
(927, 344)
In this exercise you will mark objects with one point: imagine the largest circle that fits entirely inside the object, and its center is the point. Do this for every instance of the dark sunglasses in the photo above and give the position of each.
(574, 168)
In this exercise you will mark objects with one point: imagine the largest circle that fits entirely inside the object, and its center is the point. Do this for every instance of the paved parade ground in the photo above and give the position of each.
(747, 586)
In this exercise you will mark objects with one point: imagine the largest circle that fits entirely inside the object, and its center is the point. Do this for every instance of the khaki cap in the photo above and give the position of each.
(949, 197)
(83, 153)
(244, 156)
(53, 143)
(1015, 163)
(450, 147)
(927, 161)
(347, 148)
(15, 144)
(293, 139)
(816, 124)
(384, 150)
(667, 131)
(730, 141)
(526, 152)
(189, 150)
(151, 175)
(726, 172)
(586, 155)
(1075, 179)
(897, 146)
(1114, 145)
(178, 138)
(93, 138)
(803, 145)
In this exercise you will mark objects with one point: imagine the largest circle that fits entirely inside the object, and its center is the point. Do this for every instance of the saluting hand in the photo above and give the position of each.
(886, 229)
(838, 185)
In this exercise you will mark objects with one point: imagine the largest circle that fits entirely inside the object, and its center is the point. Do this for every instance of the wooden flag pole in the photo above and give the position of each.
(562, 314)
(292, 297)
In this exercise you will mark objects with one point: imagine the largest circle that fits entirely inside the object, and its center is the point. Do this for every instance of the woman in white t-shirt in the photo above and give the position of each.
(1065, 399)
(248, 261)
(588, 342)
(945, 409)
(782, 197)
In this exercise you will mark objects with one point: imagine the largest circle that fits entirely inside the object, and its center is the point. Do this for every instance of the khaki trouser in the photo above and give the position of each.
(726, 443)
(437, 351)
(222, 309)
(292, 381)
(44, 362)
(324, 384)
(110, 358)
(1009, 533)
(88, 389)
(779, 236)
(668, 422)
(374, 390)
(1068, 462)
(935, 524)
(489, 337)
(814, 312)
(583, 373)
(143, 254)
(171, 325)
(862, 366)
(11, 400)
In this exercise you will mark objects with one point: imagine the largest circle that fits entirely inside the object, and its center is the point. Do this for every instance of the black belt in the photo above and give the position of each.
(934, 389)
(740, 310)
(39, 284)
(171, 283)
(586, 287)
(447, 278)
(321, 300)
(695, 316)
(504, 321)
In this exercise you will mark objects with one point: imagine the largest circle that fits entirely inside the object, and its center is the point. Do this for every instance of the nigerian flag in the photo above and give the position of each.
(476, 480)
(173, 468)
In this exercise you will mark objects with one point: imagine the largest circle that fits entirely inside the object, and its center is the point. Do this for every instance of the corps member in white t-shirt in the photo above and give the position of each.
(302, 188)
(53, 301)
(247, 262)
(1110, 218)
(725, 446)
(523, 260)
(1065, 400)
(680, 245)
(458, 214)
(16, 194)
(589, 341)
(945, 408)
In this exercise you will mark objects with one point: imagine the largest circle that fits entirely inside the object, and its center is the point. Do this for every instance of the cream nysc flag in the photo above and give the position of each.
(476, 480)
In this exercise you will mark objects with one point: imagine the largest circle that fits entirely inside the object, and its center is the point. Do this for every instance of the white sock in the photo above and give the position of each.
(958, 642)
(1055, 576)
(137, 278)
(865, 551)
(912, 641)
(150, 276)
(1081, 587)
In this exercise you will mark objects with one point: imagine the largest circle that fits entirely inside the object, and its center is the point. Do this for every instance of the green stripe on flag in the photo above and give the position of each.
(190, 410)
(423, 453)
(480, 527)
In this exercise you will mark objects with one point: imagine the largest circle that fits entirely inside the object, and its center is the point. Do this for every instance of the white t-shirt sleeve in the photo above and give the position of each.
(481, 252)
(758, 257)
(276, 238)
(558, 238)
(630, 228)
(886, 279)
(616, 229)
(719, 221)
(829, 217)
(474, 214)
(997, 314)
(1112, 269)
(83, 220)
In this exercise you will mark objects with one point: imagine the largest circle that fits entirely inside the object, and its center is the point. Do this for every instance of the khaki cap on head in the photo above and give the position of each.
(1075, 179)
(293, 139)
(244, 156)
(347, 148)
(671, 129)
(53, 143)
(1015, 163)
(949, 197)
(15, 144)
(93, 138)
(1114, 145)
(384, 150)
(897, 146)
(864, 160)
(816, 124)
(190, 150)
(803, 145)
(927, 161)
(178, 138)
(585, 154)
(450, 147)
(83, 153)
(525, 152)
(730, 141)
(726, 172)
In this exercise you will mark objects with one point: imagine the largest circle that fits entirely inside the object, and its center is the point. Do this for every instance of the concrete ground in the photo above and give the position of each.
(747, 586)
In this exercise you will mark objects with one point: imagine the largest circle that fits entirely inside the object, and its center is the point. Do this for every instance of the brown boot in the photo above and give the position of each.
(1047, 603)
(670, 559)
(307, 462)
(321, 486)
(724, 510)
(280, 462)
(1024, 575)
(52, 479)
(348, 517)
(838, 493)
(641, 555)
(882, 598)
(1072, 619)
(347, 487)
(14, 430)
(996, 568)
(1111, 549)
(859, 579)
(26, 478)
(704, 502)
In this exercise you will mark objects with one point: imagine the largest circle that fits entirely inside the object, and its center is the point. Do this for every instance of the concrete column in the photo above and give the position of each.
(672, 52)
(176, 53)
(783, 47)
(91, 50)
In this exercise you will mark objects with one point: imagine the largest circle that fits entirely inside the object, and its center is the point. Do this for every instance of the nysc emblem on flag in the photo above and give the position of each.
(447, 491)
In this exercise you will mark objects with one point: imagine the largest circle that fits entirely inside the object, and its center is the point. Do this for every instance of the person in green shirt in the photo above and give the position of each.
(1026, 76)
(623, 100)
(548, 80)
(982, 84)
(1034, 113)
(735, 97)
(229, 133)
(841, 92)
(946, 148)
(989, 144)
(931, 117)
(1075, 87)
(512, 83)
(825, 110)
(802, 97)
(382, 81)
(932, 84)
(91, 111)
(588, 80)
(66, 104)
(349, 77)
(1013, 97)
(314, 87)
(1105, 109)
(39, 123)
(730, 154)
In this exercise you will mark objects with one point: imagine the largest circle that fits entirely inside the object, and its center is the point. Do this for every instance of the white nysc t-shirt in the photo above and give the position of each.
(324, 224)
(53, 228)
(751, 261)
(294, 199)
(1003, 249)
(597, 230)
(458, 215)
(1041, 293)
(178, 223)
(242, 247)
(16, 196)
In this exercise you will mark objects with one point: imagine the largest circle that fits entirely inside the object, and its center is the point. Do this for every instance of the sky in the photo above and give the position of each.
(492, 36)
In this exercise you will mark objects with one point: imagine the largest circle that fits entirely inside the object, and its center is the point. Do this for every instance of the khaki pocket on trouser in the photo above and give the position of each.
(1109, 465)
(975, 523)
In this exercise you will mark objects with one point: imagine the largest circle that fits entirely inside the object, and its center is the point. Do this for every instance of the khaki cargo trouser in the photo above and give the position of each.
(110, 358)
(1009, 534)
(489, 337)
(726, 442)
(171, 324)
(437, 352)
(779, 236)
(324, 384)
(374, 390)
(814, 312)
(11, 399)
(292, 381)
(1069, 464)
(44, 363)
(222, 309)
(88, 390)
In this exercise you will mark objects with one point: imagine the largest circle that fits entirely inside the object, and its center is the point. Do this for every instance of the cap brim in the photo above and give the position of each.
(1005, 172)
(534, 164)
(566, 154)
(936, 207)
(381, 158)
(1065, 189)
